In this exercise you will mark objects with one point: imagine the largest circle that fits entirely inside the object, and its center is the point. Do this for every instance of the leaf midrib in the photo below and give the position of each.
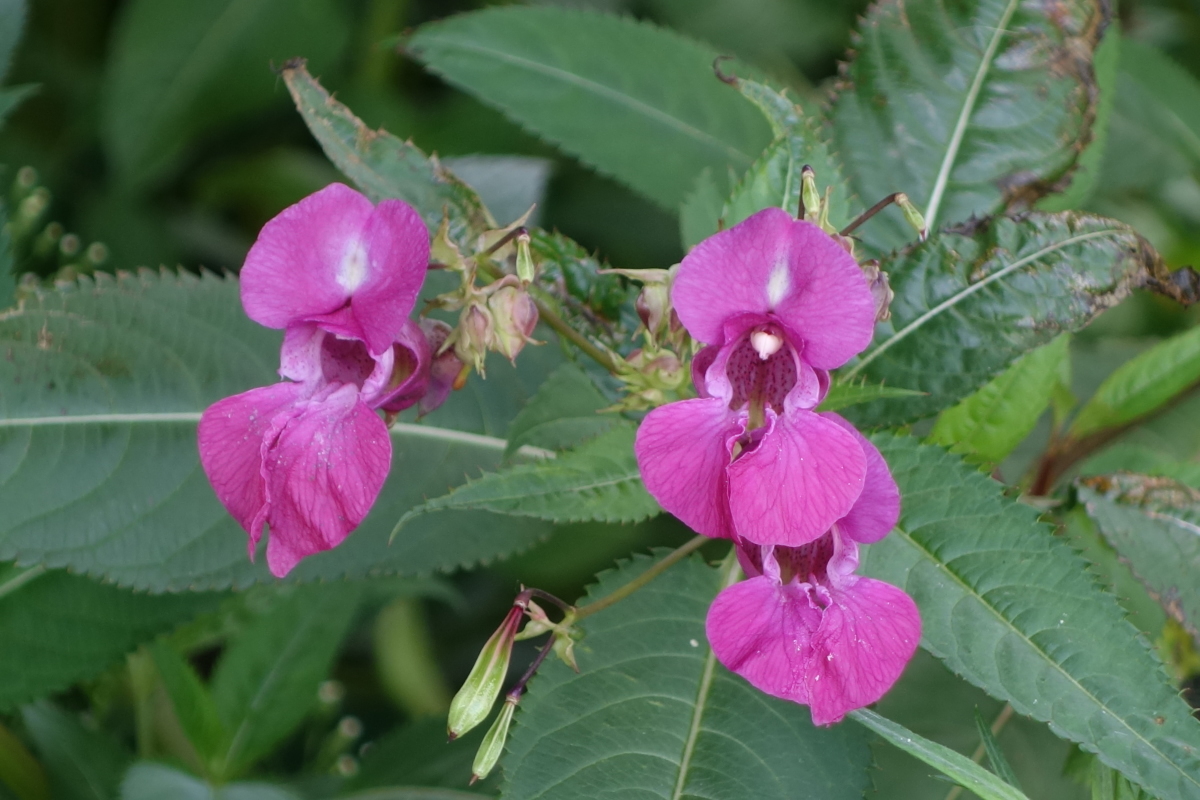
(966, 292)
(964, 116)
(970, 591)
(690, 131)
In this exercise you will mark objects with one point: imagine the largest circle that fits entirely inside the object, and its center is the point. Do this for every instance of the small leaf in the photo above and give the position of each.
(1013, 609)
(1142, 385)
(267, 679)
(995, 755)
(384, 166)
(956, 766)
(1154, 524)
(990, 423)
(637, 102)
(194, 707)
(597, 481)
(82, 764)
(969, 109)
(180, 69)
(774, 179)
(971, 302)
(652, 714)
(563, 413)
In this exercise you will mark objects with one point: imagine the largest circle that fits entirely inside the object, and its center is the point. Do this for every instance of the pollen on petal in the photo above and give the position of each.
(352, 271)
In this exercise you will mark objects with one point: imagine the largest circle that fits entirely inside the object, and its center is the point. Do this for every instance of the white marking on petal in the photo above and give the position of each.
(352, 271)
(765, 343)
(779, 283)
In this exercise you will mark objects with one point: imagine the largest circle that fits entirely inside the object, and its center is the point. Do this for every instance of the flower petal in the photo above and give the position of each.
(323, 473)
(291, 272)
(774, 264)
(877, 509)
(761, 630)
(803, 476)
(410, 374)
(683, 452)
(230, 438)
(866, 637)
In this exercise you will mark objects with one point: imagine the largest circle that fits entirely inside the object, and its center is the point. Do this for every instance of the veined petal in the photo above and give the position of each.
(683, 452)
(230, 438)
(761, 630)
(410, 373)
(791, 269)
(804, 475)
(877, 509)
(323, 473)
(866, 637)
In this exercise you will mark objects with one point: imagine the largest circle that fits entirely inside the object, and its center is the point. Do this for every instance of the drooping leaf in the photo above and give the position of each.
(598, 481)
(636, 102)
(1013, 609)
(100, 393)
(564, 412)
(1154, 524)
(59, 628)
(183, 68)
(383, 165)
(147, 780)
(956, 766)
(774, 178)
(267, 679)
(988, 424)
(651, 713)
(969, 303)
(82, 764)
(1142, 385)
(970, 109)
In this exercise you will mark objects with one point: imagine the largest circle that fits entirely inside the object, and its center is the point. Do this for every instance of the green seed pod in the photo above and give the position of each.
(478, 694)
(493, 743)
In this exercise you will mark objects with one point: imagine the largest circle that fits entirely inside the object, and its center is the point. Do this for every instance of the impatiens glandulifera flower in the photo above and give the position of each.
(307, 457)
(805, 628)
(779, 303)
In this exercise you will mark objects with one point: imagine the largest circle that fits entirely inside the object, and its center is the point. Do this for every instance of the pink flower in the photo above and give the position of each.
(805, 628)
(779, 303)
(308, 456)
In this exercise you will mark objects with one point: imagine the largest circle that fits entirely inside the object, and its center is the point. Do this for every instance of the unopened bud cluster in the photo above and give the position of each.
(41, 246)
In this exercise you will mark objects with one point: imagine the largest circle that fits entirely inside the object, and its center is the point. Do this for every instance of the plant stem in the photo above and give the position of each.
(519, 688)
(997, 725)
(659, 567)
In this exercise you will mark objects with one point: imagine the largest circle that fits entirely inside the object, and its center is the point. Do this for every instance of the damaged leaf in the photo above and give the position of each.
(972, 301)
(970, 108)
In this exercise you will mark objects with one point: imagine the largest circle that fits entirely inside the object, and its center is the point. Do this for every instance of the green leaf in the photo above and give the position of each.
(700, 212)
(180, 69)
(958, 767)
(995, 755)
(20, 772)
(194, 707)
(597, 481)
(842, 395)
(82, 764)
(12, 23)
(418, 754)
(563, 413)
(990, 423)
(970, 109)
(1142, 385)
(969, 303)
(13, 96)
(652, 714)
(636, 102)
(1014, 610)
(1169, 96)
(147, 780)
(774, 179)
(1154, 524)
(383, 166)
(267, 679)
(115, 373)
(59, 629)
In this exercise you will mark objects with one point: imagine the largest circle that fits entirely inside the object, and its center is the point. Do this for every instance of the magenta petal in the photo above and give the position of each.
(865, 639)
(774, 264)
(230, 438)
(803, 476)
(410, 373)
(323, 474)
(291, 273)
(683, 452)
(877, 509)
(760, 630)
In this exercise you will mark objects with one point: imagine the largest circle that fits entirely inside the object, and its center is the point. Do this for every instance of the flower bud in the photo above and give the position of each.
(810, 197)
(514, 316)
(654, 308)
(492, 746)
(525, 269)
(445, 368)
(478, 694)
(912, 216)
(473, 337)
